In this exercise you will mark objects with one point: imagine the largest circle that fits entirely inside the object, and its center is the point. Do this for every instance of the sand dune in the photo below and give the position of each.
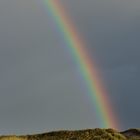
(88, 134)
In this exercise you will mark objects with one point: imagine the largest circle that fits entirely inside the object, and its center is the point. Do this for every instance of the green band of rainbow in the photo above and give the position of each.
(86, 65)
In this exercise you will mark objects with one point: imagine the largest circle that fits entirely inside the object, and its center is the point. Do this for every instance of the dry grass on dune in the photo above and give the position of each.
(13, 138)
(89, 134)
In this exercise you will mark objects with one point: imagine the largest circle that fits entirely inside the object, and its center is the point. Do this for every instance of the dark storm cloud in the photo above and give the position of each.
(112, 30)
(39, 85)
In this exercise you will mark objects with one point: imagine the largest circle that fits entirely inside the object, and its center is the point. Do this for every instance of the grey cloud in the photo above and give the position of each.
(39, 84)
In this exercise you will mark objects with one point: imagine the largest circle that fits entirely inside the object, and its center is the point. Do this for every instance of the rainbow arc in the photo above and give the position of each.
(87, 67)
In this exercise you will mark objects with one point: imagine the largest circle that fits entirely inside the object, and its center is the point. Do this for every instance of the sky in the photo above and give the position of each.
(40, 87)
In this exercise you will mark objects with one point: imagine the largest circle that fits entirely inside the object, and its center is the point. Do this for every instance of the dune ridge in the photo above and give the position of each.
(88, 134)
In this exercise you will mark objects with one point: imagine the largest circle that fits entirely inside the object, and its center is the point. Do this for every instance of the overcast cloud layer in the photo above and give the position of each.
(40, 88)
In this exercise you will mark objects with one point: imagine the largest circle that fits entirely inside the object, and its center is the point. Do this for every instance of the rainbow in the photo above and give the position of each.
(85, 64)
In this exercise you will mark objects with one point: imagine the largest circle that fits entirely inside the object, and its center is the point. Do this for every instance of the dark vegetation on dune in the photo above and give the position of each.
(88, 134)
